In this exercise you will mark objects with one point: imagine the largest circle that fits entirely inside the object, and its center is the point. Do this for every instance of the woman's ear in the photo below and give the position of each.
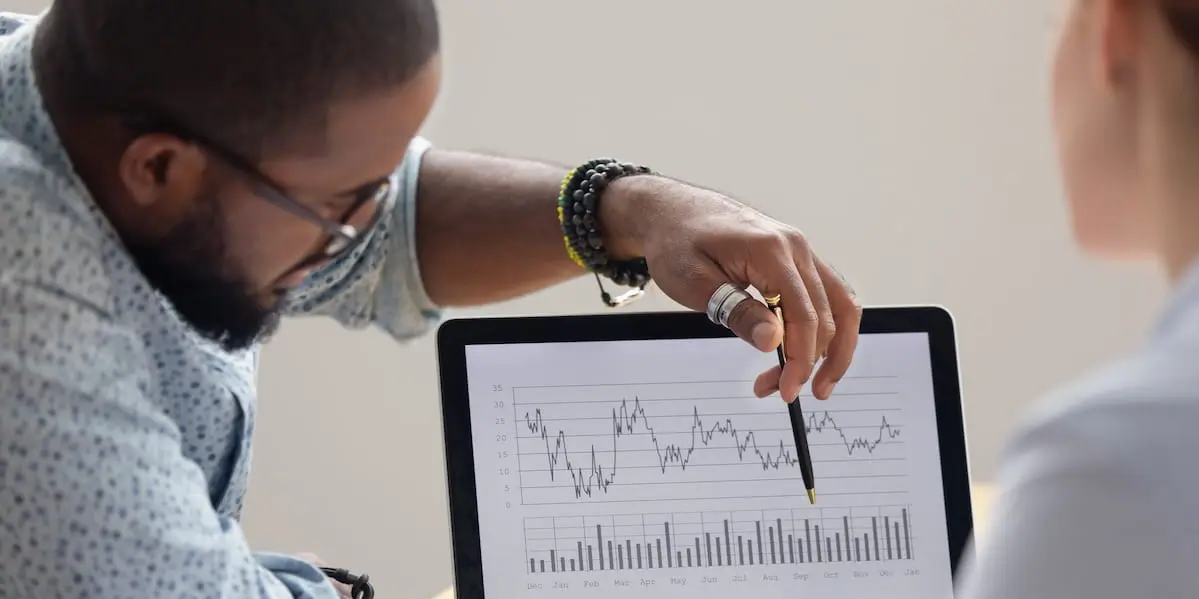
(1120, 24)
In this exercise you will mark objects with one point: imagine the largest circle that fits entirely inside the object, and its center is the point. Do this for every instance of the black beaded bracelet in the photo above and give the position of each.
(578, 212)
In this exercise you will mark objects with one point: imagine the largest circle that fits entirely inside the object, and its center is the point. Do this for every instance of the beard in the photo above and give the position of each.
(191, 268)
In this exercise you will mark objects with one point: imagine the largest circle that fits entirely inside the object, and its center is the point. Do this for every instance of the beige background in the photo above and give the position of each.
(908, 139)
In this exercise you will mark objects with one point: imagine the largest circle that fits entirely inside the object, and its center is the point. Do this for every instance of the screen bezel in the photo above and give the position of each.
(454, 335)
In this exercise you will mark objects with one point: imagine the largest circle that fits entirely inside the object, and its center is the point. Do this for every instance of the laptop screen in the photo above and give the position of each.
(648, 468)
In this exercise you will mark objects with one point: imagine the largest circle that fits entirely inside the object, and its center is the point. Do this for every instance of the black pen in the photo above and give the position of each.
(798, 428)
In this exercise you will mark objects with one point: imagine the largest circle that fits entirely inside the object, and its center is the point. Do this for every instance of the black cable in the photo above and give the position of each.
(360, 588)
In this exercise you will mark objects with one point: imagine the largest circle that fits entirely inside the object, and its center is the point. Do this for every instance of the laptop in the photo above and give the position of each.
(625, 455)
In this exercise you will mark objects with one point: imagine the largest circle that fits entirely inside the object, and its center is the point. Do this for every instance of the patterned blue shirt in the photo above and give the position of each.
(124, 437)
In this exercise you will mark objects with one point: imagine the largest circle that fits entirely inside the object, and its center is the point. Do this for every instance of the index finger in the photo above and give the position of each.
(847, 313)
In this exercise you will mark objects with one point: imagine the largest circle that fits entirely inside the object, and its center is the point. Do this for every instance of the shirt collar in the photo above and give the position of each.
(24, 119)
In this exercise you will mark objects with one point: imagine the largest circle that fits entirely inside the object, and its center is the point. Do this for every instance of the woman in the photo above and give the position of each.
(1100, 491)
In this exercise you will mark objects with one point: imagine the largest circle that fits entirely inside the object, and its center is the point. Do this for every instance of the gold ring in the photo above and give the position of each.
(773, 300)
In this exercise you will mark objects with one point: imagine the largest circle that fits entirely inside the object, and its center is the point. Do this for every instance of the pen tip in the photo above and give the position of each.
(812, 496)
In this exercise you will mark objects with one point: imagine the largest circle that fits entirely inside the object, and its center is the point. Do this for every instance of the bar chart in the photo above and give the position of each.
(718, 539)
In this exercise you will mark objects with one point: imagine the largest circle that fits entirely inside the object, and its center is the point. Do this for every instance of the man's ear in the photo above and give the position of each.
(158, 168)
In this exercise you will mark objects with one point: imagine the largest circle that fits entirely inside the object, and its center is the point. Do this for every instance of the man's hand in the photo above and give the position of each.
(694, 240)
(343, 590)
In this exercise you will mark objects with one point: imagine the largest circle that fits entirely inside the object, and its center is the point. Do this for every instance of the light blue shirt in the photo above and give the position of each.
(124, 438)
(1099, 492)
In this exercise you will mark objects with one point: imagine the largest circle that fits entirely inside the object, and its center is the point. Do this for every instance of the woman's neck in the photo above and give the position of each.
(1168, 169)
(1177, 200)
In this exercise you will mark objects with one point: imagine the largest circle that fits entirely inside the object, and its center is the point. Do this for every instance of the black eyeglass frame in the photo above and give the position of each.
(343, 237)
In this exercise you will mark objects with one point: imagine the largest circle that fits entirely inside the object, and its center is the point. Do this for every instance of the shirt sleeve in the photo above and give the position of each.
(379, 282)
(96, 497)
(1092, 504)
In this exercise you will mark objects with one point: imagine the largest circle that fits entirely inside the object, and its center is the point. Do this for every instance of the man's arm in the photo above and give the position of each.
(96, 498)
(484, 230)
(487, 229)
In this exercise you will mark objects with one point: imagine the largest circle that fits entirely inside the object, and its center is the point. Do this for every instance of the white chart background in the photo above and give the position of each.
(584, 444)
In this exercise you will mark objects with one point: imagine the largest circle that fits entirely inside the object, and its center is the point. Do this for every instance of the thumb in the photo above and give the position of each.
(750, 320)
(754, 323)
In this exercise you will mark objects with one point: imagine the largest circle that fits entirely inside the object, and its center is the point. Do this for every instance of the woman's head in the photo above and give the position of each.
(1126, 113)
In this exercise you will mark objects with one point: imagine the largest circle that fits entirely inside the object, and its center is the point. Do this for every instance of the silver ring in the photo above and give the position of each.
(723, 301)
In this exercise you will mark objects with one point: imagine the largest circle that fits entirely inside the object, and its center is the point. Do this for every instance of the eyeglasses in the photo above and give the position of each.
(344, 235)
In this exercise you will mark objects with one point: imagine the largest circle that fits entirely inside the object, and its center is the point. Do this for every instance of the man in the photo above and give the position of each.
(174, 175)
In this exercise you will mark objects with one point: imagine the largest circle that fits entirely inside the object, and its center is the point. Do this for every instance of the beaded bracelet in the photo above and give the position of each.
(578, 213)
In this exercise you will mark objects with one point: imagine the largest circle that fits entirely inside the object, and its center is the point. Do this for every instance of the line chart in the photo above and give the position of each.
(626, 444)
